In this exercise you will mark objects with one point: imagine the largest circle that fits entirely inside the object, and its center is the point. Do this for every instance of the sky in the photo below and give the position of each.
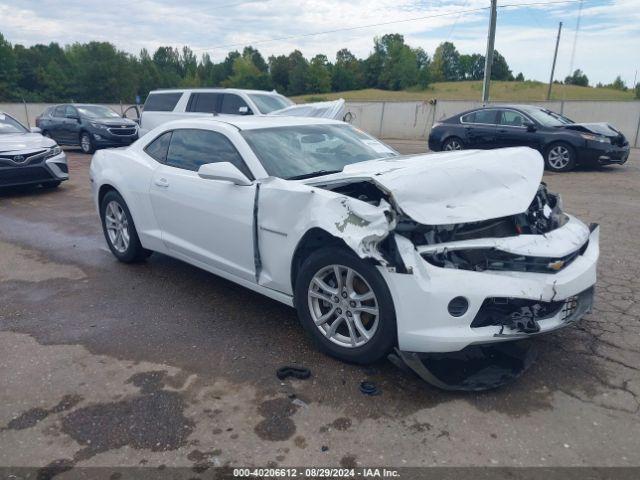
(608, 40)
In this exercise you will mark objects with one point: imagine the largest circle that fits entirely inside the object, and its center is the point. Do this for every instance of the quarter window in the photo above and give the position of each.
(159, 147)
(480, 116)
(189, 149)
(203, 102)
(231, 104)
(161, 102)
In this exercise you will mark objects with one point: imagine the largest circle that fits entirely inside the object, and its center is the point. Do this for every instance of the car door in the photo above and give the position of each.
(479, 128)
(56, 124)
(71, 125)
(512, 130)
(207, 221)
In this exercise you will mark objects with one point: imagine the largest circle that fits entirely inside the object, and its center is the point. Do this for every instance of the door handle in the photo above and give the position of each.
(161, 182)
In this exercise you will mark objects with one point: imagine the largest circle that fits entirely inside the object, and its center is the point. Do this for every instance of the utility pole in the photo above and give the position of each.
(488, 61)
(553, 66)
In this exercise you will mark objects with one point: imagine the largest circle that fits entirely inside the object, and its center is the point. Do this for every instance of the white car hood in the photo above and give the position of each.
(16, 142)
(333, 110)
(454, 187)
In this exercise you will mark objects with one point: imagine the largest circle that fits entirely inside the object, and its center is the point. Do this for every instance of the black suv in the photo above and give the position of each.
(562, 142)
(89, 126)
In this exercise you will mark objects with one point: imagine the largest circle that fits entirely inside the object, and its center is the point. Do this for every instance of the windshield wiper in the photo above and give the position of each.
(318, 173)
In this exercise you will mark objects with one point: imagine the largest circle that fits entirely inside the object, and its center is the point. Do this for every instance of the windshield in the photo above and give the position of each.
(313, 150)
(10, 125)
(268, 103)
(548, 118)
(96, 111)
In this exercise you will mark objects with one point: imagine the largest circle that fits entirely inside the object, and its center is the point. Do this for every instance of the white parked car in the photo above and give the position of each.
(166, 105)
(429, 253)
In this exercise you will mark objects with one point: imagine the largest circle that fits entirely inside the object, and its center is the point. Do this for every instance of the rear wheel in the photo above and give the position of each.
(560, 157)
(345, 306)
(86, 143)
(453, 143)
(119, 229)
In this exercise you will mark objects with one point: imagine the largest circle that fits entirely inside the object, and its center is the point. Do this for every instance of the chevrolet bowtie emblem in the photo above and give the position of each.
(557, 265)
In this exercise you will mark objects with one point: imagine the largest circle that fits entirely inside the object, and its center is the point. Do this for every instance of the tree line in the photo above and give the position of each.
(99, 72)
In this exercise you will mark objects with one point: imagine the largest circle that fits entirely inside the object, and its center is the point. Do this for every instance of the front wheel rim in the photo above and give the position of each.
(85, 143)
(559, 157)
(453, 145)
(343, 306)
(117, 226)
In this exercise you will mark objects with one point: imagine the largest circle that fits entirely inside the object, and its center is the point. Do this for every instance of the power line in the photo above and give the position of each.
(346, 29)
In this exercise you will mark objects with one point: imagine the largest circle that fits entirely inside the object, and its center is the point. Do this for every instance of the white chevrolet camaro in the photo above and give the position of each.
(375, 250)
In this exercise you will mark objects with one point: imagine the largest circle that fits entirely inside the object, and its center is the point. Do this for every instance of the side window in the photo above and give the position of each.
(203, 102)
(59, 111)
(159, 147)
(511, 118)
(161, 102)
(190, 149)
(231, 104)
(468, 118)
(70, 112)
(485, 116)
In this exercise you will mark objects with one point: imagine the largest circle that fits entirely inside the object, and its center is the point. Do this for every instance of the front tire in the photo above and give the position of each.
(345, 306)
(119, 229)
(86, 143)
(560, 157)
(452, 144)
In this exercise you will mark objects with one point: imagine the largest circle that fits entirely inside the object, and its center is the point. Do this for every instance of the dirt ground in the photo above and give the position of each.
(162, 364)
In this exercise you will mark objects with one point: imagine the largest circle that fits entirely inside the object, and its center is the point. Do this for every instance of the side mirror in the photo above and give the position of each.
(244, 110)
(530, 126)
(35, 130)
(223, 171)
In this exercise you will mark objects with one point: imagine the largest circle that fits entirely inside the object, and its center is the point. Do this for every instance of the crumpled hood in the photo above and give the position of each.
(597, 128)
(13, 142)
(454, 187)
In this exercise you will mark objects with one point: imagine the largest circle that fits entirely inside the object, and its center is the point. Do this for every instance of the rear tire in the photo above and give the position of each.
(119, 230)
(452, 144)
(86, 143)
(560, 157)
(352, 319)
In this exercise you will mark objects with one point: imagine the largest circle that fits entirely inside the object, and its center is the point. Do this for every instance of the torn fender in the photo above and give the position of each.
(285, 211)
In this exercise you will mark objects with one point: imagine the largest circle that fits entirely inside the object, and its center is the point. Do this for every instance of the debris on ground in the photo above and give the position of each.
(369, 388)
(300, 373)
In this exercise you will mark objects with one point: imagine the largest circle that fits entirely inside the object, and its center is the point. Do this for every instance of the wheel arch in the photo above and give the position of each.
(312, 240)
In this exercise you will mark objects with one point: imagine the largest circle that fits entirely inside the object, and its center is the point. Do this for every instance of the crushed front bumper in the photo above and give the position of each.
(610, 154)
(421, 298)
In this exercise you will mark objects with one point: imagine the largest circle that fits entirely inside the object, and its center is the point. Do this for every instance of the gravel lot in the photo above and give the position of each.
(163, 364)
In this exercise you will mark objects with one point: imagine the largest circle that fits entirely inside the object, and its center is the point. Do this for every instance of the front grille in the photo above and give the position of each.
(491, 259)
(15, 176)
(33, 157)
(123, 131)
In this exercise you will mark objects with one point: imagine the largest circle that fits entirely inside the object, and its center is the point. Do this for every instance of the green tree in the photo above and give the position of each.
(347, 72)
(279, 70)
(618, 84)
(577, 78)
(247, 75)
(8, 71)
(298, 73)
(399, 62)
(637, 91)
(319, 75)
(499, 68)
(520, 77)
(446, 63)
(424, 67)
(256, 58)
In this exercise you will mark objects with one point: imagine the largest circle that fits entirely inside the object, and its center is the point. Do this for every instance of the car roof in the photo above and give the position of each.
(213, 90)
(251, 122)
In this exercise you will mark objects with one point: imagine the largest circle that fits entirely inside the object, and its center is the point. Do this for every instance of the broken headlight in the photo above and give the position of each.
(544, 214)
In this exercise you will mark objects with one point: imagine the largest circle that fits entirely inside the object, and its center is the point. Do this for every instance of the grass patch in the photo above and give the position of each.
(472, 90)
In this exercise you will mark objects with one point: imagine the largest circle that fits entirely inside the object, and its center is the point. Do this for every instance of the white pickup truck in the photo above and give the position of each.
(173, 104)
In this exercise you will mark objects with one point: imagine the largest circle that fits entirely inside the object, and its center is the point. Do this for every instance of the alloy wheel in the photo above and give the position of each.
(559, 157)
(343, 306)
(453, 145)
(85, 143)
(117, 225)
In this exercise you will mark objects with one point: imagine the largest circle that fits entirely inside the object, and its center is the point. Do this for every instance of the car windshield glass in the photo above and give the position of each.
(9, 125)
(548, 118)
(312, 150)
(96, 111)
(270, 103)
